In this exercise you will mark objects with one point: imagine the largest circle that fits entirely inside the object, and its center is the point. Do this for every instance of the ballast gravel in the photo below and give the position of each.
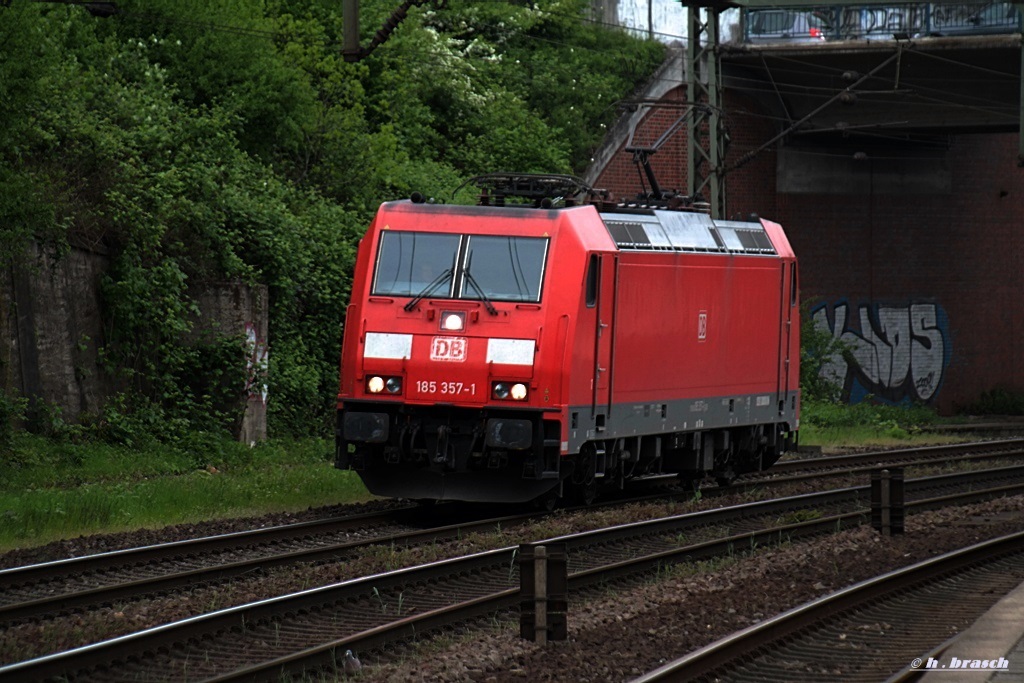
(614, 636)
(624, 634)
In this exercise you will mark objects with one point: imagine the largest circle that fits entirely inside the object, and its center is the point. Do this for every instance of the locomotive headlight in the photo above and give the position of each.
(375, 385)
(394, 385)
(504, 391)
(453, 321)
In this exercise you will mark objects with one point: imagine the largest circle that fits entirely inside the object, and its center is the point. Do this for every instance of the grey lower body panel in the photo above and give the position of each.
(624, 420)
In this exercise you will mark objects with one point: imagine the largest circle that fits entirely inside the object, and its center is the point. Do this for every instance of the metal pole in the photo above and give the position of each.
(350, 28)
(886, 495)
(1020, 103)
(705, 163)
(540, 598)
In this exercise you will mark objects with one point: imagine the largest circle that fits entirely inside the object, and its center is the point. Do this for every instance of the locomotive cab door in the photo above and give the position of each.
(789, 308)
(601, 283)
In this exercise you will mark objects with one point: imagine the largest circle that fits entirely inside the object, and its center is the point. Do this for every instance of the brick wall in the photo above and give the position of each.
(748, 189)
(959, 252)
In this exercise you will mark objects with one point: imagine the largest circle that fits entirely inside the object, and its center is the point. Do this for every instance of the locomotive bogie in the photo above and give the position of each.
(434, 452)
(507, 354)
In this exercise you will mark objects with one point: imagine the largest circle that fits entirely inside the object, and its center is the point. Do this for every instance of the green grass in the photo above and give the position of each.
(869, 437)
(59, 489)
(828, 424)
(50, 491)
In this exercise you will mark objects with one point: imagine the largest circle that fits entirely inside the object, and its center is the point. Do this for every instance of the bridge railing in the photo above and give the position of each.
(867, 22)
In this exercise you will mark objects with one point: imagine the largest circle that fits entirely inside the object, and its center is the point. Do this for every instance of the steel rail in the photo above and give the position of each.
(324, 654)
(57, 600)
(740, 646)
(121, 560)
(166, 636)
(751, 483)
(196, 628)
(977, 449)
(230, 541)
(237, 541)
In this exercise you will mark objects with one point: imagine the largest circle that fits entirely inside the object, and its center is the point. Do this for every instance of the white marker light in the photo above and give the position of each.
(375, 385)
(453, 322)
(518, 391)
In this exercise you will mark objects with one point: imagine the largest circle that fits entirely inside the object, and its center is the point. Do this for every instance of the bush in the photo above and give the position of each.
(818, 348)
(896, 421)
(12, 411)
(998, 402)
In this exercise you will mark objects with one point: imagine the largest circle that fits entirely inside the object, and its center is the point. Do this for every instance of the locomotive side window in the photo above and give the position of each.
(415, 264)
(592, 275)
(503, 268)
(792, 285)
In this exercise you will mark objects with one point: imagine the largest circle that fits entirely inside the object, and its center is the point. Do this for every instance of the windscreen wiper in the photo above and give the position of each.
(428, 290)
(483, 297)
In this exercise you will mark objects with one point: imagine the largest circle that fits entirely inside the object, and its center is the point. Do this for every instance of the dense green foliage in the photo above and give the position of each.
(215, 141)
(818, 348)
(866, 418)
(998, 401)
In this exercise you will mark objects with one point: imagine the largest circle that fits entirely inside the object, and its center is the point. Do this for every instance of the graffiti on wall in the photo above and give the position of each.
(256, 365)
(895, 353)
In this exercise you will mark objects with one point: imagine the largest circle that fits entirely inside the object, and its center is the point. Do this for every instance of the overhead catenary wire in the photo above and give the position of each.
(930, 95)
(937, 94)
(750, 155)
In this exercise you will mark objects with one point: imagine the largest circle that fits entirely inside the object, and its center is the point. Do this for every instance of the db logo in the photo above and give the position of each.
(449, 349)
(702, 326)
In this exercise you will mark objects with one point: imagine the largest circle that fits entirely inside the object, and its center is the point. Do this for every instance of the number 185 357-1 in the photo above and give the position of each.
(444, 388)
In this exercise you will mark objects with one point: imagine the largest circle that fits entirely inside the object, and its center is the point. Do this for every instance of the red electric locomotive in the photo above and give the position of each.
(509, 353)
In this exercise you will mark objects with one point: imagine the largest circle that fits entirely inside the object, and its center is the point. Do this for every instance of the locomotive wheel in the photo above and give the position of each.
(690, 482)
(725, 478)
(589, 492)
(583, 487)
(546, 502)
(585, 493)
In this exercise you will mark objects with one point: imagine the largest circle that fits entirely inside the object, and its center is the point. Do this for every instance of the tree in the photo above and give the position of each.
(205, 141)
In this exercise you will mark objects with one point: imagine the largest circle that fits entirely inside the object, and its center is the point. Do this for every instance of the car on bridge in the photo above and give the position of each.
(878, 22)
(972, 20)
(784, 26)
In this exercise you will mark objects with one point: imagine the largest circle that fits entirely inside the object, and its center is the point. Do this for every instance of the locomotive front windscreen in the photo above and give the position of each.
(476, 267)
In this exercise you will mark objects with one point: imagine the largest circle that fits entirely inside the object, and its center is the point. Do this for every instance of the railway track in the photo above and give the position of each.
(34, 591)
(842, 465)
(262, 640)
(54, 587)
(881, 629)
